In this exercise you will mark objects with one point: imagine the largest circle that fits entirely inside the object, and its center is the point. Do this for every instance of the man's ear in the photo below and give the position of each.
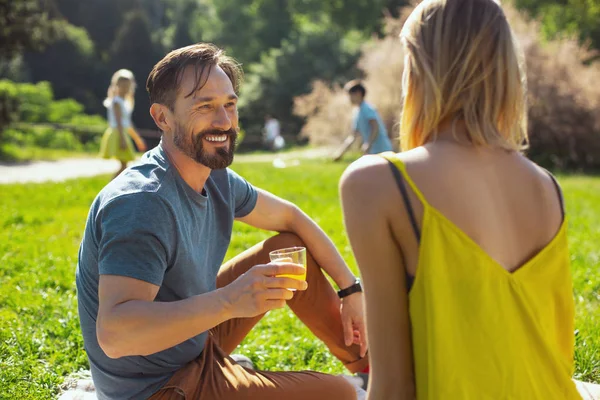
(162, 116)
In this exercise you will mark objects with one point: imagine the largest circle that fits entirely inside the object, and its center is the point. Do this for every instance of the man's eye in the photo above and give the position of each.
(230, 104)
(204, 107)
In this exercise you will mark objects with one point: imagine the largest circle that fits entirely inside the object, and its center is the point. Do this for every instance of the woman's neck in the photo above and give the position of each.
(452, 130)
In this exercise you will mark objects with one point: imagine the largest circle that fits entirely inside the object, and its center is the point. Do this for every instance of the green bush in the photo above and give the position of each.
(37, 105)
(9, 106)
(33, 107)
(48, 138)
(35, 101)
(63, 110)
(62, 139)
(21, 138)
(284, 73)
(95, 122)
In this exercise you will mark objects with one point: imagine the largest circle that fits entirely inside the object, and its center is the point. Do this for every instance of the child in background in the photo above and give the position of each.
(117, 140)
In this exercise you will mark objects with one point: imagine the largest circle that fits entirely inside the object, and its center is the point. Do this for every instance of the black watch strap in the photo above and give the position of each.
(355, 288)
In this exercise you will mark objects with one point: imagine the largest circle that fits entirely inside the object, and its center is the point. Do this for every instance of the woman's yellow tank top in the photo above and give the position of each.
(482, 332)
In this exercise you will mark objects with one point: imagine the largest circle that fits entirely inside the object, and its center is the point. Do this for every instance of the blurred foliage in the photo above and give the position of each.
(36, 119)
(26, 24)
(286, 72)
(573, 18)
(282, 44)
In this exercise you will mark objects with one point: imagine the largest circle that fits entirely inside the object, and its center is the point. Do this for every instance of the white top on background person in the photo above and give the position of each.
(126, 103)
(272, 129)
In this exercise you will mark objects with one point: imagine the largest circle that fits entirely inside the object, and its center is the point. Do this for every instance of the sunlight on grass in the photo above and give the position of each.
(41, 226)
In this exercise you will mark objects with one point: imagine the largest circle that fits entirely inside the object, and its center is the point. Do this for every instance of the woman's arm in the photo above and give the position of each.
(365, 191)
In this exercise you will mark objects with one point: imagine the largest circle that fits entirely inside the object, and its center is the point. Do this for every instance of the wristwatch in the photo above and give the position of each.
(355, 288)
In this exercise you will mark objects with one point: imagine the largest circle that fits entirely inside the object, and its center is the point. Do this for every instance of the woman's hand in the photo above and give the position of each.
(353, 321)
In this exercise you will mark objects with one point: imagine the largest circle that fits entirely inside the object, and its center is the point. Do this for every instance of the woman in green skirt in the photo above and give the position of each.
(117, 140)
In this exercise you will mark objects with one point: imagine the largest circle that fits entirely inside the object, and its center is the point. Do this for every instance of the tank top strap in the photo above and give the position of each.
(393, 158)
(559, 192)
(401, 176)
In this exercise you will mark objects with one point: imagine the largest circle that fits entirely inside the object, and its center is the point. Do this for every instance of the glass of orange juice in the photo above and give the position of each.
(295, 255)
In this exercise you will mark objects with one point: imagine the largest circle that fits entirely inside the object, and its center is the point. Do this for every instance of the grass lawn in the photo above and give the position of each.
(11, 153)
(40, 230)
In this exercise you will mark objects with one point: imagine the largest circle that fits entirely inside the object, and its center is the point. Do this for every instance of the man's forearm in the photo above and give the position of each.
(140, 327)
(322, 249)
(346, 145)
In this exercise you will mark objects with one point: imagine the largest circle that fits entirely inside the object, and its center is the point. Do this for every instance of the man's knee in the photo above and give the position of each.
(344, 388)
(283, 240)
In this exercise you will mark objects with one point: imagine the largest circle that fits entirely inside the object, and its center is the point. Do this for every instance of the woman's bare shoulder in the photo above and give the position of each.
(370, 168)
(363, 171)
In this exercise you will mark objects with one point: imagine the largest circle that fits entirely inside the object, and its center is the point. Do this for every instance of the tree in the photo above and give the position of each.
(71, 66)
(182, 21)
(362, 15)
(25, 25)
(134, 49)
(579, 18)
(246, 28)
(100, 18)
(284, 73)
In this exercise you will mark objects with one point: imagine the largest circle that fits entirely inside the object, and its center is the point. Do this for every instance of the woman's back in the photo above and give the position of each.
(491, 308)
(503, 202)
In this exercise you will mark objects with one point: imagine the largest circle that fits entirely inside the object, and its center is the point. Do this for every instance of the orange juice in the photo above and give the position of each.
(295, 255)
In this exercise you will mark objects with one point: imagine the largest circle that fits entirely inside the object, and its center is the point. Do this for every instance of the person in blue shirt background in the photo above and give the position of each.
(366, 124)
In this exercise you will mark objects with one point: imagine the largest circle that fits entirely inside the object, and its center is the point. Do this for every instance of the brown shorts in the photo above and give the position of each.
(214, 375)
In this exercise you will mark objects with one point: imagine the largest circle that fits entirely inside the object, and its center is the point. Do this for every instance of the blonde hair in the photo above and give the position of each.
(462, 63)
(113, 89)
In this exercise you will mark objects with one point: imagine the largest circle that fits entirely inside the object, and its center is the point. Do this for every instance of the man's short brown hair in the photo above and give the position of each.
(164, 79)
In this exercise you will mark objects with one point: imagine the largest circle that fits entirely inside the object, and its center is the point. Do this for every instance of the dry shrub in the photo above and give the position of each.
(328, 114)
(564, 96)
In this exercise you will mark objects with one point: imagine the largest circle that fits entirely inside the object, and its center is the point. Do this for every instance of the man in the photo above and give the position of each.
(159, 314)
(367, 124)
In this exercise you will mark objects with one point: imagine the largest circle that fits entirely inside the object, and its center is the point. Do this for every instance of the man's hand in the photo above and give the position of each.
(353, 320)
(260, 290)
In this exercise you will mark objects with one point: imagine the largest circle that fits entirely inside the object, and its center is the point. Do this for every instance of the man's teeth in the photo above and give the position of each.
(220, 138)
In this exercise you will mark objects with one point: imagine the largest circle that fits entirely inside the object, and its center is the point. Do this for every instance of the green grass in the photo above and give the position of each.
(14, 154)
(40, 230)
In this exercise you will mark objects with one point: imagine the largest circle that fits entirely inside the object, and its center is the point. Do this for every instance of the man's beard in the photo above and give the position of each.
(194, 148)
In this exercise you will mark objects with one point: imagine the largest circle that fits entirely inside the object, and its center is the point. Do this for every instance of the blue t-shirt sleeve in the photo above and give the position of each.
(137, 232)
(368, 113)
(243, 193)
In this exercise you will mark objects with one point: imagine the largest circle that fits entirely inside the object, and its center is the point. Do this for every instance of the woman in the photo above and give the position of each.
(117, 140)
(460, 239)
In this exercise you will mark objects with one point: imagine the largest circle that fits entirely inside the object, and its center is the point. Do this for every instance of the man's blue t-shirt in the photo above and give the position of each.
(363, 114)
(149, 224)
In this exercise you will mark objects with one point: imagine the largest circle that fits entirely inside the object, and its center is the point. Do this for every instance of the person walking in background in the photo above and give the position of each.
(367, 124)
(117, 140)
(272, 134)
(461, 240)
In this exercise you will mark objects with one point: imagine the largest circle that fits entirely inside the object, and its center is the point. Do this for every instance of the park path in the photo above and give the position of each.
(70, 168)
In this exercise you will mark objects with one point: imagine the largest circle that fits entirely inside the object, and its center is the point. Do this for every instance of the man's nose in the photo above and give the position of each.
(221, 120)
